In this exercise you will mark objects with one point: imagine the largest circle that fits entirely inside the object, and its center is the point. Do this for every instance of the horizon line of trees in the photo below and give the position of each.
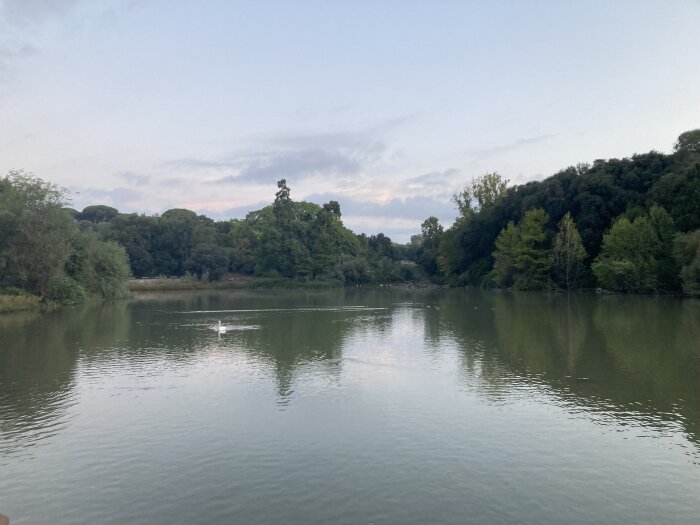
(627, 225)
(286, 239)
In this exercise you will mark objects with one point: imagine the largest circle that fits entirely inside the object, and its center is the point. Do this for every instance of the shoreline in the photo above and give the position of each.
(251, 282)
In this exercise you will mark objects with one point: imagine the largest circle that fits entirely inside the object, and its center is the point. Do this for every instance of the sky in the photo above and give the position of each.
(388, 107)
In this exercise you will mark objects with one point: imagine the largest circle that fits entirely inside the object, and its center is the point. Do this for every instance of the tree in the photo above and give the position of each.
(98, 213)
(637, 255)
(449, 253)
(135, 233)
(242, 240)
(431, 229)
(688, 141)
(174, 236)
(105, 269)
(35, 233)
(521, 258)
(480, 193)
(679, 193)
(531, 261)
(568, 253)
(332, 207)
(686, 251)
(504, 256)
(662, 232)
(380, 246)
(209, 259)
(42, 250)
(283, 202)
(431, 233)
(324, 240)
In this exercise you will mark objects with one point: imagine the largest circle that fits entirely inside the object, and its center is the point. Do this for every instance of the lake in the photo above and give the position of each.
(354, 406)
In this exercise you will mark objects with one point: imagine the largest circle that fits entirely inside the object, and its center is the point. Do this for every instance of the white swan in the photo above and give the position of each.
(221, 329)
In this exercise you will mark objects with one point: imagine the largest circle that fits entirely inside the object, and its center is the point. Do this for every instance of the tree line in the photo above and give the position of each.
(287, 239)
(627, 225)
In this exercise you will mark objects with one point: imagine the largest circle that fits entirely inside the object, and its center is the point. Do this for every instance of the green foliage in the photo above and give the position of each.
(35, 233)
(241, 240)
(163, 245)
(209, 259)
(679, 193)
(66, 290)
(479, 274)
(296, 240)
(106, 268)
(353, 269)
(532, 260)
(595, 196)
(686, 252)
(135, 233)
(568, 253)
(429, 246)
(501, 237)
(637, 255)
(521, 258)
(42, 250)
(480, 193)
(504, 256)
(98, 214)
(688, 141)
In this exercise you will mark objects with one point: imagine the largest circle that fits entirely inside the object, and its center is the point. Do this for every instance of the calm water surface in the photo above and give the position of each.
(355, 407)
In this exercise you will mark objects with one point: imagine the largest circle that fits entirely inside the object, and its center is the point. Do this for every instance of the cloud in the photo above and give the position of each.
(174, 181)
(414, 208)
(25, 25)
(237, 212)
(11, 52)
(134, 178)
(117, 197)
(296, 159)
(364, 138)
(17, 50)
(190, 164)
(518, 144)
(27, 11)
(294, 156)
(435, 178)
(295, 165)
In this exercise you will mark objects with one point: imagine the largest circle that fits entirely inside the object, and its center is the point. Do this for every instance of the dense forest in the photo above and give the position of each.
(625, 225)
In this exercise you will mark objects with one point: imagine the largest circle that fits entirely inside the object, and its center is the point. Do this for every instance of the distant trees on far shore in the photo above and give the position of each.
(626, 225)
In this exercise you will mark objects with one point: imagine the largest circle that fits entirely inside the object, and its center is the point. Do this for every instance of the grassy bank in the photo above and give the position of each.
(19, 303)
(227, 283)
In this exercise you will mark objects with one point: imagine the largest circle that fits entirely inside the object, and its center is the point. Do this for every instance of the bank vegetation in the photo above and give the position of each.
(621, 225)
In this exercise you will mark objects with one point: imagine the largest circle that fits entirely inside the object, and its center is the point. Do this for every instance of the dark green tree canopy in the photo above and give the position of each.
(98, 213)
(179, 214)
(688, 141)
(332, 207)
